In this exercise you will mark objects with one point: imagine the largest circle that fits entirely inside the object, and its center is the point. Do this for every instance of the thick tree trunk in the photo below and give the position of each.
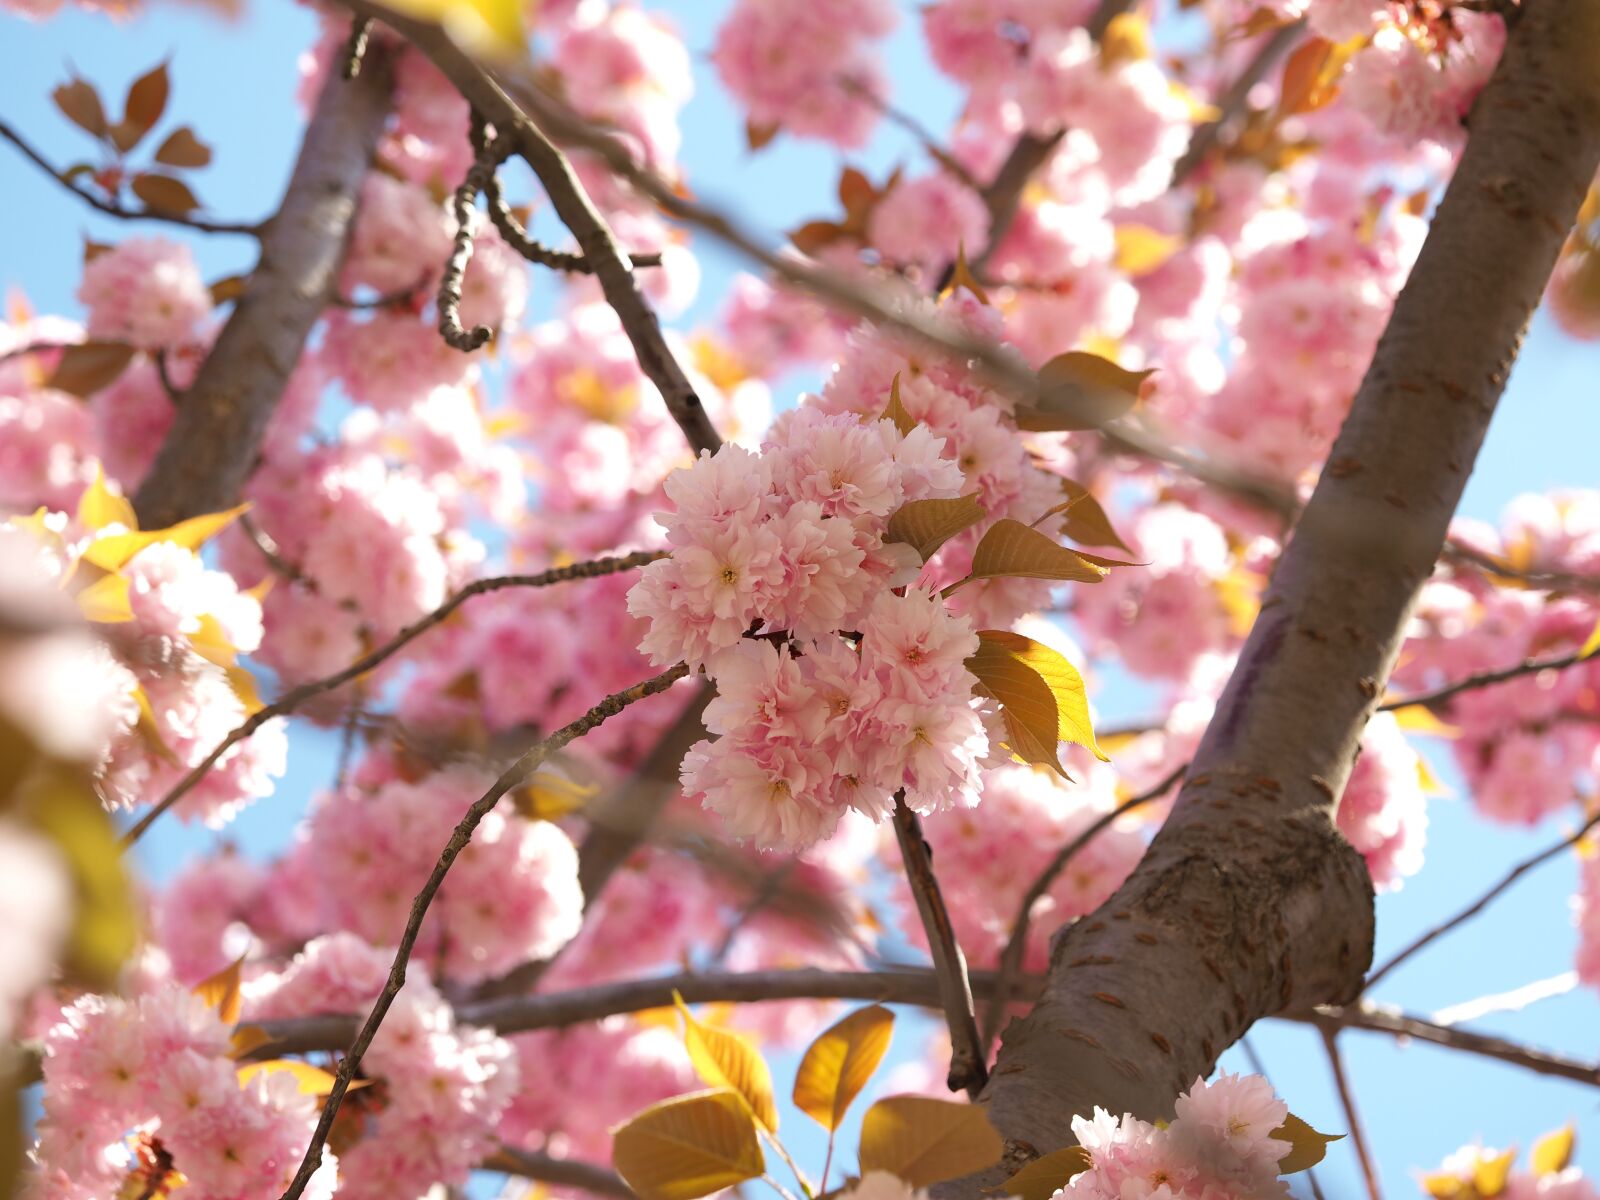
(208, 455)
(1248, 902)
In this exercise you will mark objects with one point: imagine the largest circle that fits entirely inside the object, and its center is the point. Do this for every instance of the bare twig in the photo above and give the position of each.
(968, 1062)
(1232, 101)
(564, 1172)
(1011, 957)
(1532, 666)
(164, 374)
(1483, 901)
(272, 556)
(510, 778)
(1358, 1135)
(112, 209)
(295, 697)
(455, 267)
(1545, 580)
(914, 127)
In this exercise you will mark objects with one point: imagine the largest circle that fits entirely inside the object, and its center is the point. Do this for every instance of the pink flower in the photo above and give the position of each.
(145, 291)
(926, 220)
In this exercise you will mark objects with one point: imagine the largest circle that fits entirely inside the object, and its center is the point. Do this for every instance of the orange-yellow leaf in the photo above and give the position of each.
(729, 1060)
(1552, 1153)
(1079, 390)
(99, 506)
(840, 1062)
(1141, 249)
(113, 551)
(689, 1146)
(896, 412)
(247, 1039)
(1306, 1146)
(549, 796)
(106, 600)
(221, 991)
(926, 525)
(961, 276)
(1011, 550)
(1044, 1177)
(924, 1141)
(1060, 676)
(312, 1081)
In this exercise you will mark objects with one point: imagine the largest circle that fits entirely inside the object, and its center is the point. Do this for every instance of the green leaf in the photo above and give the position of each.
(88, 367)
(1079, 390)
(896, 412)
(689, 1146)
(1060, 676)
(164, 194)
(840, 1062)
(1552, 1153)
(183, 149)
(925, 525)
(729, 1060)
(80, 104)
(146, 101)
(1044, 1177)
(1307, 1146)
(925, 1141)
(1011, 550)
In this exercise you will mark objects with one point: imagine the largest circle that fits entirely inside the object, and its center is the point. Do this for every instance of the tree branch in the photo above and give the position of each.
(1231, 103)
(295, 697)
(1248, 902)
(612, 268)
(1483, 901)
(1544, 580)
(1347, 1100)
(564, 1172)
(968, 1062)
(212, 446)
(1532, 666)
(510, 778)
(1011, 957)
(111, 208)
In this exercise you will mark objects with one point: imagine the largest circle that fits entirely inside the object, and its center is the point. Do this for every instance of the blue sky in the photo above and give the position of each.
(235, 83)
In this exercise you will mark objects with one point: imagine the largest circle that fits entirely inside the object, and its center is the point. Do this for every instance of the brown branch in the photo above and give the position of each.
(214, 441)
(1532, 666)
(612, 267)
(1248, 902)
(1231, 103)
(1544, 580)
(1011, 957)
(968, 1062)
(112, 209)
(295, 697)
(914, 127)
(1483, 901)
(563, 1172)
(462, 206)
(510, 778)
(1347, 1100)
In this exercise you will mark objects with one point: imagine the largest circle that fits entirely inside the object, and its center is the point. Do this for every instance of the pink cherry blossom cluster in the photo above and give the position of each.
(1219, 1143)
(146, 292)
(806, 67)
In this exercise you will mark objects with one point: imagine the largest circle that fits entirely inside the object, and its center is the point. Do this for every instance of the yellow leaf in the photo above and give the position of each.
(244, 686)
(221, 991)
(925, 1141)
(1442, 1185)
(1430, 783)
(106, 600)
(896, 412)
(1126, 39)
(961, 276)
(838, 1064)
(211, 643)
(1553, 1152)
(1079, 390)
(312, 1081)
(1491, 1173)
(729, 1060)
(1311, 74)
(1060, 676)
(926, 525)
(492, 27)
(1591, 644)
(247, 1039)
(1044, 1177)
(112, 552)
(1011, 550)
(99, 506)
(549, 796)
(1239, 593)
(1307, 1146)
(1027, 704)
(689, 1146)
(1419, 719)
(1086, 521)
(1141, 249)
(149, 729)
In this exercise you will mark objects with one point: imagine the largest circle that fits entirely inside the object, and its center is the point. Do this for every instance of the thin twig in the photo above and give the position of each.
(111, 208)
(1483, 901)
(164, 374)
(914, 127)
(270, 553)
(1544, 580)
(355, 48)
(295, 697)
(1358, 1135)
(1010, 966)
(968, 1062)
(455, 267)
(565, 1172)
(510, 778)
(1232, 102)
(1532, 666)
(766, 891)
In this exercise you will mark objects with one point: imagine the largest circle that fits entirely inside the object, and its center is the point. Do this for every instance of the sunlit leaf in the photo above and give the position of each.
(926, 525)
(115, 550)
(1079, 390)
(106, 601)
(1141, 249)
(840, 1062)
(145, 102)
(80, 104)
(163, 193)
(1311, 74)
(244, 686)
(1492, 1172)
(1062, 678)
(247, 1039)
(221, 991)
(1011, 550)
(924, 1141)
(1126, 39)
(1419, 719)
(689, 1146)
(310, 1080)
(1552, 1153)
(896, 412)
(183, 149)
(729, 1060)
(961, 276)
(1591, 644)
(1306, 1146)
(1027, 705)
(1239, 593)
(549, 796)
(1045, 1176)
(88, 367)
